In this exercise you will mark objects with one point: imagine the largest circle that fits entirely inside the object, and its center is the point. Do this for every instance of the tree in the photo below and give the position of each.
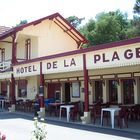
(107, 27)
(137, 7)
(110, 27)
(22, 22)
(134, 29)
(74, 21)
(88, 30)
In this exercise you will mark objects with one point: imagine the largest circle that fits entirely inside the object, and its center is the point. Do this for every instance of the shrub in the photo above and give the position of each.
(39, 133)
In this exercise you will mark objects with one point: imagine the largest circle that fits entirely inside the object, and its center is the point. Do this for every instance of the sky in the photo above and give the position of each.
(13, 11)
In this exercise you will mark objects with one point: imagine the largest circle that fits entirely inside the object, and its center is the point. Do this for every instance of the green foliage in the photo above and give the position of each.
(137, 7)
(110, 27)
(134, 29)
(88, 31)
(40, 131)
(22, 22)
(107, 27)
(74, 21)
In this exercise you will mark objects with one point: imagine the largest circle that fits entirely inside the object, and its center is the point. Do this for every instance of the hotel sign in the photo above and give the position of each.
(105, 58)
(114, 57)
(27, 70)
(63, 64)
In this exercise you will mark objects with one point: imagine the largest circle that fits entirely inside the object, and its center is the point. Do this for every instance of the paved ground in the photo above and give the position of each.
(19, 127)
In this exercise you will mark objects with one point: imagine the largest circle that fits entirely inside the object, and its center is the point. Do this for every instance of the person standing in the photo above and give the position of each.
(36, 105)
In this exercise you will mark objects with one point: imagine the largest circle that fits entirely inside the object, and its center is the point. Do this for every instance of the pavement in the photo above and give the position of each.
(19, 126)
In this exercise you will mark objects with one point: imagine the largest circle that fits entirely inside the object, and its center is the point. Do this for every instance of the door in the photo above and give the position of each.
(98, 91)
(52, 89)
(128, 91)
(113, 96)
(67, 92)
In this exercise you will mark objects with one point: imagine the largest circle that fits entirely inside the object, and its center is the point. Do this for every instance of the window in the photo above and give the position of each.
(128, 91)
(2, 53)
(28, 49)
(75, 90)
(22, 88)
(113, 97)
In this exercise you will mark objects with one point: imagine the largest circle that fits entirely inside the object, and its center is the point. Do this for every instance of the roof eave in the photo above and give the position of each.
(19, 28)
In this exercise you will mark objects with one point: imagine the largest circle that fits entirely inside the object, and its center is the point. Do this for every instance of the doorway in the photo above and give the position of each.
(98, 91)
(113, 92)
(128, 91)
(53, 88)
(67, 92)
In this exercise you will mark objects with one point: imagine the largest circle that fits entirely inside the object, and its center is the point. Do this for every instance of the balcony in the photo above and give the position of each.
(5, 66)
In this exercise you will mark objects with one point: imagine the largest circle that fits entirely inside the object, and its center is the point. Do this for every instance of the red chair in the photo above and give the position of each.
(29, 105)
(123, 117)
(96, 112)
(75, 112)
(135, 112)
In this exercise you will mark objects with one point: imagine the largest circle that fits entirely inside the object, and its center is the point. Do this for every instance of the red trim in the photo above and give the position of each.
(85, 84)
(41, 85)
(94, 48)
(118, 43)
(13, 49)
(85, 41)
(28, 49)
(63, 30)
(41, 75)
(67, 29)
(13, 89)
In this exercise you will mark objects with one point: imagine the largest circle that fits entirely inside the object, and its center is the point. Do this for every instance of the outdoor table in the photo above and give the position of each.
(67, 107)
(54, 107)
(112, 112)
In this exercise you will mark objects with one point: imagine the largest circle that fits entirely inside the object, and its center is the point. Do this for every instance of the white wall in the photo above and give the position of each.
(32, 87)
(21, 53)
(8, 50)
(51, 39)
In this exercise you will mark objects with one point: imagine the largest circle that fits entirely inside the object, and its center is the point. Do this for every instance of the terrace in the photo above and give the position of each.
(53, 114)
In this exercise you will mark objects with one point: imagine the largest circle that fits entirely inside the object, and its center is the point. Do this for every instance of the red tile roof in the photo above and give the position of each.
(3, 29)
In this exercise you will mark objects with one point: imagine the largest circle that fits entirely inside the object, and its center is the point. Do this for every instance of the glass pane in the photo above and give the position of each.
(98, 91)
(113, 96)
(128, 91)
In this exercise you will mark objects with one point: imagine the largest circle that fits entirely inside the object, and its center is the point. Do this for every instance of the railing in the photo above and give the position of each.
(5, 65)
(21, 59)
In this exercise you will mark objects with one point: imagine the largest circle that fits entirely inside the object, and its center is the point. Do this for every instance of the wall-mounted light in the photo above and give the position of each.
(34, 89)
(103, 82)
(70, 84)
(118, 82)
(90, 83)
(134, 81)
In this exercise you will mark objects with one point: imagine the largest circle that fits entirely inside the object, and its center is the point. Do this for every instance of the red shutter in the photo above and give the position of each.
(4, 86)
(22, 84)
